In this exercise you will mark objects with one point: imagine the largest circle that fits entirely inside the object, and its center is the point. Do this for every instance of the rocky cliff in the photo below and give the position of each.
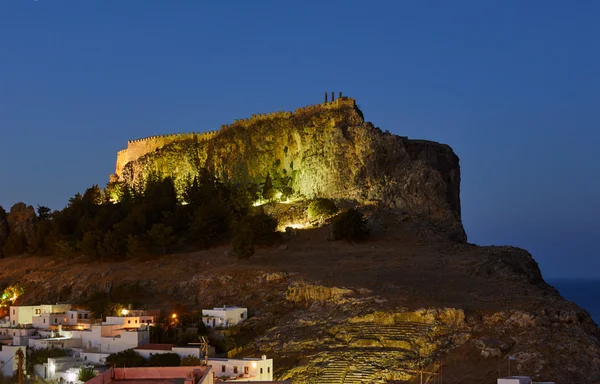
(374, 312)
(325, 150)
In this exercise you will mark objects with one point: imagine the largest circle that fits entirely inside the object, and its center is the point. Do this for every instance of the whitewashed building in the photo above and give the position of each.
(246, 369)
(224, 317)
(48, 315)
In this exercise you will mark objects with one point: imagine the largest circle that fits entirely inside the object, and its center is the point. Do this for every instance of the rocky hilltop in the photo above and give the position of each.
(414, 296)
(324, 150)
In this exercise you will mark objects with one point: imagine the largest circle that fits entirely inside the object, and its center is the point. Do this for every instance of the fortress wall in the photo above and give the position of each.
(140, 147)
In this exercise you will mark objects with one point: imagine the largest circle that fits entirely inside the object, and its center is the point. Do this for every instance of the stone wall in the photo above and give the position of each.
(140, 147)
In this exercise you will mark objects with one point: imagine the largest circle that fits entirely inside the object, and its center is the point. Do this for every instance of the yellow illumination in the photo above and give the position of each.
(253, 364)
(174, 315)
(124, 312)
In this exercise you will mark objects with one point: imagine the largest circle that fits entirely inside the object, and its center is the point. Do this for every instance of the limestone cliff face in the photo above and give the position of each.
(325, 151)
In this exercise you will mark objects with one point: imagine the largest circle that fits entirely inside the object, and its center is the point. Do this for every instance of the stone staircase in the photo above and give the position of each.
(363, 350)
(385, 335)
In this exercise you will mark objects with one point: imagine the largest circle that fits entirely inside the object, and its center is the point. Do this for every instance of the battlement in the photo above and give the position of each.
(140, 147)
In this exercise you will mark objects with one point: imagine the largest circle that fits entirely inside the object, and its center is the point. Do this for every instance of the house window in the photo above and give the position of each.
(14, 311)
(241, 315)
(13, 322)
(268, 369)
(38, 311)
(136, 321)
(222, 368)
(55, 320)
(71, 316)
(245, 370)
(235, 370)
(44, 321)
(85, 358)
(261, 371)
(128, 321)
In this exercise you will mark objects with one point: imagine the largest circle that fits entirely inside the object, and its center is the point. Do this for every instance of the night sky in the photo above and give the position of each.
(512, 86)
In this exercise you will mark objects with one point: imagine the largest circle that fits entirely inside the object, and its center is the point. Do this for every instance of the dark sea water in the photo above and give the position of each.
(583, 292)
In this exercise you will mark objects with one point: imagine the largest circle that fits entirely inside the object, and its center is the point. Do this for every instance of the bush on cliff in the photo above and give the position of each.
(259, 229)
(321, 208)
(350, 225)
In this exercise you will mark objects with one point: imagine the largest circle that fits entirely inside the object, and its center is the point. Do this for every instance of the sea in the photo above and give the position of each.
(583, 292)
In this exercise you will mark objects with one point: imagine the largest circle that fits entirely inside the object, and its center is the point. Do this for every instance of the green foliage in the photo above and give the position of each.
(126, 358)
(225, 344)
(10, 293)
(191, 361)
(253, 230)
(15, 245)
(321, 208)
(164, 360)
(349, 225)
(161, 236)
(152, 217)
(267, 190)
(86, 374)
(40, 356)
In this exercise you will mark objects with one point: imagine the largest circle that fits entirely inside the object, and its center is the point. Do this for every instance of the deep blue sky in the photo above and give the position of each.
(512, 86)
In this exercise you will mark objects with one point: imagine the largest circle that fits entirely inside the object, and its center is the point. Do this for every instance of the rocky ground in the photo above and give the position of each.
(374, 312)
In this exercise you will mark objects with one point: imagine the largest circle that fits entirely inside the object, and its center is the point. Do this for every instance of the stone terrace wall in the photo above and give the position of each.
(140, 147)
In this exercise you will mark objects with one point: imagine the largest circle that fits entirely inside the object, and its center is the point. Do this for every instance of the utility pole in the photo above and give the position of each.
(20, 366)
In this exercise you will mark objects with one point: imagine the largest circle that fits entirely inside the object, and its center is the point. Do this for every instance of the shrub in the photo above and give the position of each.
(321, 208)
(350, 225)
(86, 374)
(126, 358)
(253, 230)
(191, 361)
(164, 360)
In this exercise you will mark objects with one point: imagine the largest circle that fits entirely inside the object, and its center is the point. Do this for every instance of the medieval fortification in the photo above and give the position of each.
(140, 147)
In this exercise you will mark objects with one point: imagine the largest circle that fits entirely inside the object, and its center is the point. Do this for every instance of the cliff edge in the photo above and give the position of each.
(325, 150)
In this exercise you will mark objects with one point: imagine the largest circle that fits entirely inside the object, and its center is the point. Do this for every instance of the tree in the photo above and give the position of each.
(268, 192)
(161, 236)
(44, 213)
(126, 358)
(164, 360)
(253, 230)
(86, 374)
(191, 361)
(350, 225)
(90, 244)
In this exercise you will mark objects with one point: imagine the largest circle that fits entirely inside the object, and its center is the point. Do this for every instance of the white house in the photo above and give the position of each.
(64, 369)
(129, 321)
(148, 350)
(8, 359)
(48, 315)
(224, 317)
(246, 369)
